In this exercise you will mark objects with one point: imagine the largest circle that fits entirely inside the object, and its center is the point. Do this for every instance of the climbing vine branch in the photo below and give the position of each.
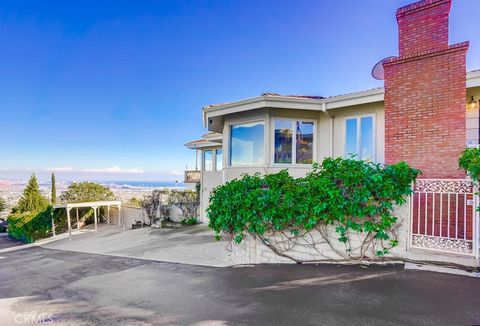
(345, 204)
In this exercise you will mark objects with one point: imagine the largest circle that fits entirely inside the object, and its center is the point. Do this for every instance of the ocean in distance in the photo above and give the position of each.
(146, 184)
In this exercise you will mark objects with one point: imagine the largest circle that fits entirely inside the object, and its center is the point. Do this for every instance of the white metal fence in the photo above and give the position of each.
(444, 216)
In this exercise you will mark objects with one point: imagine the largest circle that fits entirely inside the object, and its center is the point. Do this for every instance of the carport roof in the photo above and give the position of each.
(89, 204)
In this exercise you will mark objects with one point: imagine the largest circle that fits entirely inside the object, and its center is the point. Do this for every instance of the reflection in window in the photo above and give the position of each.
(351, 137)
(218, 159)
(207, 160)
(293, 147)
(283, 141)
(304, 142)
(247, 144)
(359, 138)
(366, 137)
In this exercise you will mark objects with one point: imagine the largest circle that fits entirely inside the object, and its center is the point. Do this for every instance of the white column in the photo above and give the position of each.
(78, 221)
(95, 217)
(69, 224)
(108, 214)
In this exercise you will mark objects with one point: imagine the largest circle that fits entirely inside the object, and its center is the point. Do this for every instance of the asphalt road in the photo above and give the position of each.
(71, 288)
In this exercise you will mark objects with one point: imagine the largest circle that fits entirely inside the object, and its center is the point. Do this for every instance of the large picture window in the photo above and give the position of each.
(293, 141)
(359, 138)
(247, 144)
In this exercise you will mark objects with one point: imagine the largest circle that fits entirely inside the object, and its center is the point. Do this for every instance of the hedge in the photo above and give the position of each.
(30, 226)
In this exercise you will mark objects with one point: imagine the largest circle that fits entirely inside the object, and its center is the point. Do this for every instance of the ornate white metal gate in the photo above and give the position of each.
(444, 216)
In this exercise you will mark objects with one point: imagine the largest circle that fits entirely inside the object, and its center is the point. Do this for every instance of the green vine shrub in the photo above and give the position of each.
(346, 195)
(470, 162)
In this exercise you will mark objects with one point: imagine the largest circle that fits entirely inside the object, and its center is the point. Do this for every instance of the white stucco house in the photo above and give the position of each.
(426, 114)
(273, 132)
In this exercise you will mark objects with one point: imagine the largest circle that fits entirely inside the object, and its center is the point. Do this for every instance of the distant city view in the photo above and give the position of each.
(11, 189)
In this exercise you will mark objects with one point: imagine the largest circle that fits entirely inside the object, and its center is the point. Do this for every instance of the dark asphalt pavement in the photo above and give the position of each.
(87, 289)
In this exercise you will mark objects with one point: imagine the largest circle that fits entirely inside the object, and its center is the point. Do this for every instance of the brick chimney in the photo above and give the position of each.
(425, 93)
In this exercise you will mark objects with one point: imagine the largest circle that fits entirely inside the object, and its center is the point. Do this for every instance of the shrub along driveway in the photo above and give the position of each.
(87, 289)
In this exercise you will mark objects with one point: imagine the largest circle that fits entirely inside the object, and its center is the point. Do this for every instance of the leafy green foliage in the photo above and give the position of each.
(3, 204)
(30, 226)
(135, 202)
(31, 200)
(348, 194)
(189, 221)
(87, 192)
(470, 162)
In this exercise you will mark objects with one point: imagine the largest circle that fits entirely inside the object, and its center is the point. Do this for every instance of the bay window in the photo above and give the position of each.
(208, 160)
(218, 159)
(247, 144)
(293, 141)
(359, 138)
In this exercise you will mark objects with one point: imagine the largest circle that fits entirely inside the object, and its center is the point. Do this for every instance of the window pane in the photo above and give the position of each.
(304, 140)
(366, 137)
(207, 160)
(351, 137)
(219, 160)
(283, 141)
(247, 144)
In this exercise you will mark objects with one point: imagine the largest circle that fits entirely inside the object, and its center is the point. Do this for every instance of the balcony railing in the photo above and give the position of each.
(192, 176)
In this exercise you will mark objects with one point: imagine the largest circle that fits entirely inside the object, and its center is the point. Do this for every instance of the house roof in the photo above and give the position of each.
(308, 102)
(304, 102)
(210, 139)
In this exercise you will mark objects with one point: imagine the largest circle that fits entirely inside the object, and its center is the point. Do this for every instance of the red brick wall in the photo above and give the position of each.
(425, 93)
(423, 25)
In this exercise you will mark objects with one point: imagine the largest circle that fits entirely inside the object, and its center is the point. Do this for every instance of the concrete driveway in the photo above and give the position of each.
(194, 245)
(72, 288)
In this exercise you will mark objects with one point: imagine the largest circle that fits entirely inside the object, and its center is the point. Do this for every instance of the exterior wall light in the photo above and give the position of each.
(472, 105)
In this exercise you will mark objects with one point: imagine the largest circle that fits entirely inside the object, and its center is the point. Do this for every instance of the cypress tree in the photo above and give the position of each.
(32, 200)
(54, 190)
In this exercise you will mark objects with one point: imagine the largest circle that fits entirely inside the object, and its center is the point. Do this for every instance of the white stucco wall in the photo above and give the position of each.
(209, 180)
(473, 117)
(130, 214)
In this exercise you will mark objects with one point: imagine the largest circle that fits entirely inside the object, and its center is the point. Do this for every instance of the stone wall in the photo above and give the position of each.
(251, 251)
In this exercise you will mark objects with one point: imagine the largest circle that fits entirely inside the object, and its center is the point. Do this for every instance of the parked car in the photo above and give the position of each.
(3, 225)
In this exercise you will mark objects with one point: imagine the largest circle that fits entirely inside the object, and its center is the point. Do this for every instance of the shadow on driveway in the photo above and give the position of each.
(75, 288)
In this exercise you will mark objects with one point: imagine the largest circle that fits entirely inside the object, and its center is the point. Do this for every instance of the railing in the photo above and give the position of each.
(444, 216)
(192, 176)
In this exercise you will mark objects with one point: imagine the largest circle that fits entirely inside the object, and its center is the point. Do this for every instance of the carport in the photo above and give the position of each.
(94, 205)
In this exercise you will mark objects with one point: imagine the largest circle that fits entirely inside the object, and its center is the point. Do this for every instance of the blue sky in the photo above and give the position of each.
(116, 88)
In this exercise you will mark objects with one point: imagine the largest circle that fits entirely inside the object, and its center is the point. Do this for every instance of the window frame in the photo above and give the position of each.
(229, 142)
(294, 142)
(359, 117)
(215, 168)
(212, 158)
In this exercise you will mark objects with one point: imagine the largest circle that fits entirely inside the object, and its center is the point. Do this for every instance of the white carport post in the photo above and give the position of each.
(78, 220)
(69, 223)
(120, 215)
(95, 216)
